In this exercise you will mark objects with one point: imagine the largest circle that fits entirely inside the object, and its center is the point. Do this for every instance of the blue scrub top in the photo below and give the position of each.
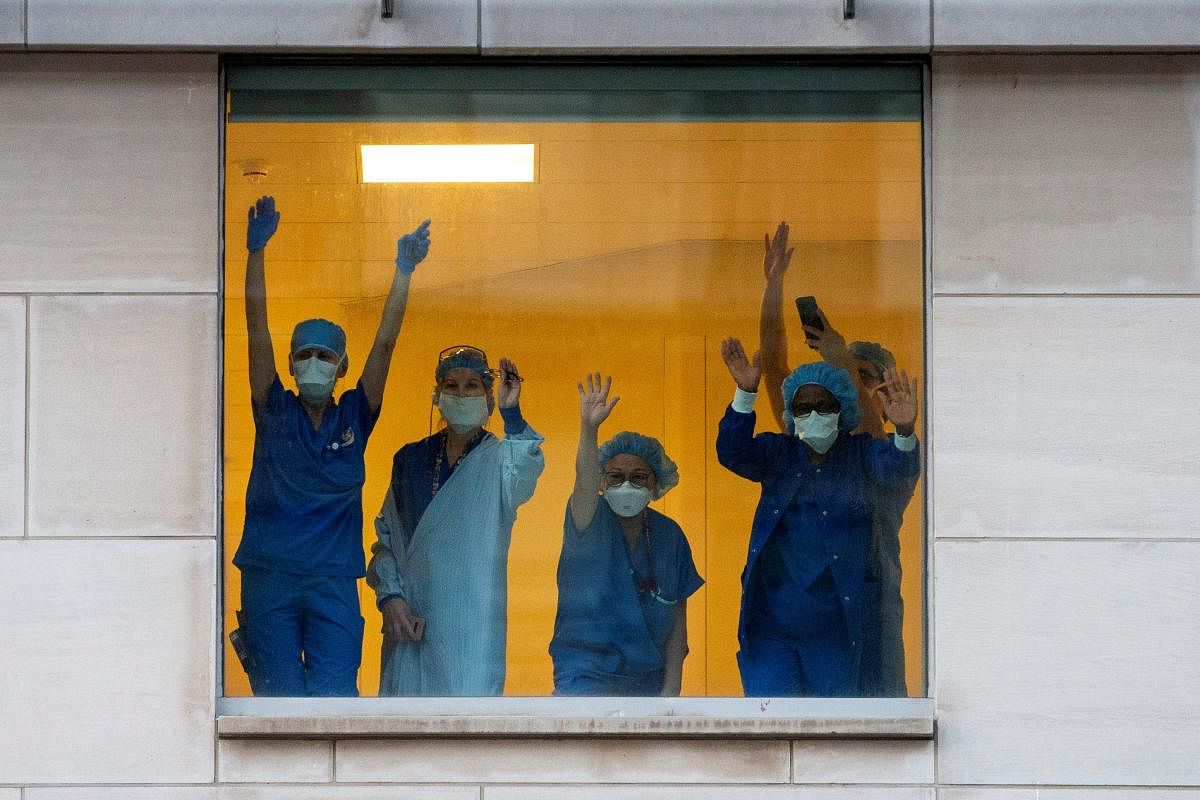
(605, 628)
(304, 498)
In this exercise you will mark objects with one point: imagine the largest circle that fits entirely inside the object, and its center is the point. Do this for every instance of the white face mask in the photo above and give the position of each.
(818, 431)
(627, 500)
(315, 379)
(463, 413)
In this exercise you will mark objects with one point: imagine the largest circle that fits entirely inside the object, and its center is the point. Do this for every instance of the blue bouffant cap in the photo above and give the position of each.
(649, 450)
(835, 379)
(874, 354)
(465, 358)
(322, 334)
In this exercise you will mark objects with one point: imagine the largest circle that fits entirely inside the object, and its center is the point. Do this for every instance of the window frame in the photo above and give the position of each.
(549, 716)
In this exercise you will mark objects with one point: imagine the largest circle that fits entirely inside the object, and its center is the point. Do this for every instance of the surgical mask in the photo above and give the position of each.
(463, 413)
(315, 379)
(818, 431)
(627, 500)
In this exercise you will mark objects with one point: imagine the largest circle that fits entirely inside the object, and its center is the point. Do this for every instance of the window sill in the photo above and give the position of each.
(690, 717)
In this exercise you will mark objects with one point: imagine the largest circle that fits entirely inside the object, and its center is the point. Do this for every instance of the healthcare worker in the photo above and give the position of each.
(883, 664)
(301, 552)
(626, 571)
(804, 589)
(439, 566)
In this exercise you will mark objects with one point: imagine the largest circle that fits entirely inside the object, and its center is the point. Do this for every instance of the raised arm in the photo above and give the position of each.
(410, 251)
(263, 221)
(831, 346)
(522, 460)
(771, 333)
(594, 408)
(738, 449)
(899, 395)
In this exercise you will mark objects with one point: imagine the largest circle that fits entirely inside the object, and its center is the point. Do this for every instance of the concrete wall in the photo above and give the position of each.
(601, 26)
(1063, 371)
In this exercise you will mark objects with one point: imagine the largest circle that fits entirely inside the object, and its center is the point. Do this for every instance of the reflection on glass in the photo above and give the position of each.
(635, 251)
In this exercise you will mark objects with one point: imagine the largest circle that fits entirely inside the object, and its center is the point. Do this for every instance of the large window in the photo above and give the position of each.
(634, 247)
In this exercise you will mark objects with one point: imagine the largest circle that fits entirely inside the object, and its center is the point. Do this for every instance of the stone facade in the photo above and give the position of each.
(1065, 250)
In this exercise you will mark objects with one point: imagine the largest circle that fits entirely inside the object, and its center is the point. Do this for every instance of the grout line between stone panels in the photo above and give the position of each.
(932, 41)
(28, 449)
(213, 293)
(1072, 295)
(111, 538)
(1106, 788)
(1113, 788)
(1084, 539)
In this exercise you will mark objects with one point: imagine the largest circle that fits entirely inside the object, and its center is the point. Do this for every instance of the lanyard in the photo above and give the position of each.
(441, 457)
(647, 585)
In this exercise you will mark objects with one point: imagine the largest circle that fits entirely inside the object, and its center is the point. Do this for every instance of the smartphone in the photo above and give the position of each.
(809, 315)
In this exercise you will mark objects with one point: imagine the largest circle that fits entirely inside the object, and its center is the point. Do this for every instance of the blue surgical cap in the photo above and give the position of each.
(465, 359)
(321, 334)
(649, 450)
(875, 354)
(835, 379)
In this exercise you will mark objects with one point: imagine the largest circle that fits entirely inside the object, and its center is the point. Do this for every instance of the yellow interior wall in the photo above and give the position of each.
(638, 248)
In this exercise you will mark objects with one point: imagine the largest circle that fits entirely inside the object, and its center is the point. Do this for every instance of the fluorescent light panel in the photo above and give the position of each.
(447, 163)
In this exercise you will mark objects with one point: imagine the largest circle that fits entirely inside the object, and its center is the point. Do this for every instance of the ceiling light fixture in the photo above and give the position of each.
(447, 163)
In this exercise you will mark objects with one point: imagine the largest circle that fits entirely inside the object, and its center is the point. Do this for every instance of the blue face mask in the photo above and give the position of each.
(818, 431)
(315, 379)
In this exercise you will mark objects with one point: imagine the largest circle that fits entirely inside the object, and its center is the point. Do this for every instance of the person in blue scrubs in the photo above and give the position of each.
(626, 571)
(804, 589)
(882, 672)
(301, 552)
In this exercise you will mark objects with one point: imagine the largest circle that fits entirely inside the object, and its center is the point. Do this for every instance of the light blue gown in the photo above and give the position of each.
(453, 571)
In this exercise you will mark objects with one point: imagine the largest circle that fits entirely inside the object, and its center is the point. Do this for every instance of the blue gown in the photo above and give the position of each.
(808, 510)
(609, 637)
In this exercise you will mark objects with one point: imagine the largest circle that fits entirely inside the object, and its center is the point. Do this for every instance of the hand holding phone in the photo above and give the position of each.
(810, 315)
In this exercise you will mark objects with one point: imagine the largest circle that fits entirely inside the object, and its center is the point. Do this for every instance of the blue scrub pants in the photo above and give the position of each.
(823, 664)
(304, 633)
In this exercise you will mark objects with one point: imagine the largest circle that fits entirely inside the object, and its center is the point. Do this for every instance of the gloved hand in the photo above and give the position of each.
(412, 248)
(264, 219)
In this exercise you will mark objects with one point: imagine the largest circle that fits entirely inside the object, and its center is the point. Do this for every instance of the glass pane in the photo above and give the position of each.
(634, 251)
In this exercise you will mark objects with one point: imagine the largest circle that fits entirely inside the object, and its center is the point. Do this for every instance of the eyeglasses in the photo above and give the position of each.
(475, 354)
(638, 479)
(824, 409)
(472, 353)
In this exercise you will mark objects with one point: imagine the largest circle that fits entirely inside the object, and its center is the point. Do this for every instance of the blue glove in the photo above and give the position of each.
(412, 248)
(264, 219)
